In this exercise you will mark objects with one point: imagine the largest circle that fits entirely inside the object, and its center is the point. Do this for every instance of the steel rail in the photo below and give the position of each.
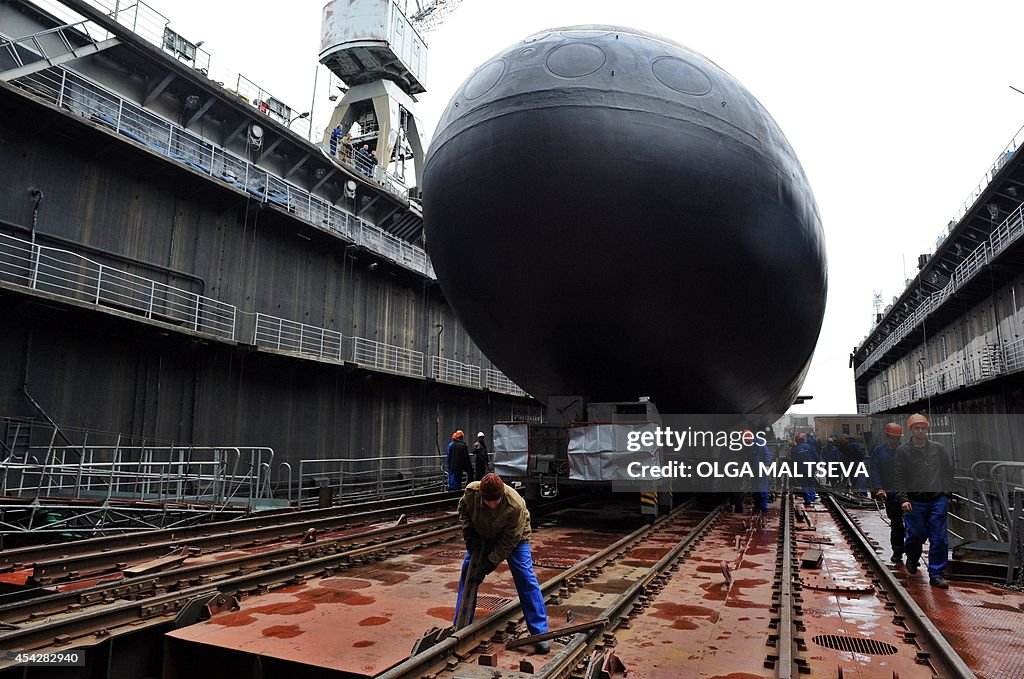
(786, 643)
(206, 573)
(569, 657)
(73, 566)
(104, 621)
(927, 636)
(420, 663)
(22, 557)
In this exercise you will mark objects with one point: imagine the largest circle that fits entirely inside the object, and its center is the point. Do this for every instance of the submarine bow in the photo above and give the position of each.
(612, 215)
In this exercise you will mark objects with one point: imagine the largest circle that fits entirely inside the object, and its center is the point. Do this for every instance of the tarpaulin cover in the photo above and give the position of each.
(598, 452)
(511, 447)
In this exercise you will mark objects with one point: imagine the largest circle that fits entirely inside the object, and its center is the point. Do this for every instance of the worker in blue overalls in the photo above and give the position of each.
(923, 478)
(852, 453)
(457, 460)
(761, 455)
(883, 486)
(496, 521)
(802, 454)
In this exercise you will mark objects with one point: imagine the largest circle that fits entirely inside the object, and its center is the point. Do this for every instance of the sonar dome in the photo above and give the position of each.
(612, 215)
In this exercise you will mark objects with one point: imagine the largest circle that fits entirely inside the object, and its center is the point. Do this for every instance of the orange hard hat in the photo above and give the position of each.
(893, 429)
(918, 418)
(801, 437)
(458, 434)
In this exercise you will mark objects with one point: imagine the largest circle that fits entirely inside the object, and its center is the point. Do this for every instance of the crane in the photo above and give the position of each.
(430, 14)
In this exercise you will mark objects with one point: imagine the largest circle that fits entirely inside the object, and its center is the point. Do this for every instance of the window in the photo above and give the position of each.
(846, 429)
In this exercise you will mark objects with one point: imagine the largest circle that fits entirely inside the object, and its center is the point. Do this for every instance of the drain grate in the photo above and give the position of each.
(489, 602)
(554, 562)
(451, 553)
(854, 644)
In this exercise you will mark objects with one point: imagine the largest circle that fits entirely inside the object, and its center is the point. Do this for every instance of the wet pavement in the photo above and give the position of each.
(984, 623)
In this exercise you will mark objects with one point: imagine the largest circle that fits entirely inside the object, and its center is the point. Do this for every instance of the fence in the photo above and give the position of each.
(87, 99)
(1002, 237)
(370, 478)
(210, 475)
(67, 274)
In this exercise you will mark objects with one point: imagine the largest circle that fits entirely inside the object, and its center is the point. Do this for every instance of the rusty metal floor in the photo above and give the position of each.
(985, 624)
(367, 619)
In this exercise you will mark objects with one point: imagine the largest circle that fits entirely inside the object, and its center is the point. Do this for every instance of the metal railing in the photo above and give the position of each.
(164, 474)
(446, 370)
(386, 357)
(66, 274)
(1001, 160)
(69, 275)
(74, 92)
(496, 381)
(370, 478)
(1005, 234)
(285, 335)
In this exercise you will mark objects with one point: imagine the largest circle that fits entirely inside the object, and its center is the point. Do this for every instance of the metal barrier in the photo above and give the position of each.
(496, 381)
(1005, 234)
(66, 274)
(88, 99)
(282, 334)
(386, 357)
(454, 372)
(167, 474)
(371, 478)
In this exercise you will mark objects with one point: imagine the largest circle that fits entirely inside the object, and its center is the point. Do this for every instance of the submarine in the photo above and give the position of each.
(614, 216)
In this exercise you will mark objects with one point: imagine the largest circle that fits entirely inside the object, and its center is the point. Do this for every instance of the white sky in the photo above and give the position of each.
(895, 109)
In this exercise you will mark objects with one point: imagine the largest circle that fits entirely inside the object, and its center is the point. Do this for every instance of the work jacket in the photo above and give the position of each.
(501, 528)
(922, 473)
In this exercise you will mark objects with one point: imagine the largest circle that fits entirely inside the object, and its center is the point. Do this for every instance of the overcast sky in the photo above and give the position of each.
(895, 109)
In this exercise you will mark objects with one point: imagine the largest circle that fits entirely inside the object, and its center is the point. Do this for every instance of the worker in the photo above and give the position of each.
(881, 467)
(923, 479)
(761, 455)
(851, 453)
(803, 453)
(480, 462)
(495, 521)
(457, 461)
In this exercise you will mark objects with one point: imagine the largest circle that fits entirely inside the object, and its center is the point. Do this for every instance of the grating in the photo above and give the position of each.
(489, 602)
(854, 644)
(554, 562)
(451, 553)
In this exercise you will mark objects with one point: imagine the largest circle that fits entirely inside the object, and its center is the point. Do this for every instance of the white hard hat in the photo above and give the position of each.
(480, 435)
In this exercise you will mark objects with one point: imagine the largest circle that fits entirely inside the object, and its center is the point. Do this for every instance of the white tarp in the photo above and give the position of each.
(597, 452)
(511, 448)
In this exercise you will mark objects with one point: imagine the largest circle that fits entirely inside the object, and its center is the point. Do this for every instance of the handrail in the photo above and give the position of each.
(1008, 232)
(71, 90)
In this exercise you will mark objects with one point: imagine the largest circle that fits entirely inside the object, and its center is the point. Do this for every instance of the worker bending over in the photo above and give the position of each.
(495, 521)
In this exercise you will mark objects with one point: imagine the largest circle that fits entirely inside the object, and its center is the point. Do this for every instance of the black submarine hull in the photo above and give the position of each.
(611, 215)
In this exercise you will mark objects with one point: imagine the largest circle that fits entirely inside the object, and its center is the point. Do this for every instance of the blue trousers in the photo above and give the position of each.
(453, 483)
(927, 521)
(520, 562)
(809, 496)
(760, 500)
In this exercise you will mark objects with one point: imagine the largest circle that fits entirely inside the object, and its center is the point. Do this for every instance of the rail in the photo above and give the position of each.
(66, 274)
(69, 275)
(1008, 232)
(454, 372)
(83, 97)
(211, 475)
(370, 478)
